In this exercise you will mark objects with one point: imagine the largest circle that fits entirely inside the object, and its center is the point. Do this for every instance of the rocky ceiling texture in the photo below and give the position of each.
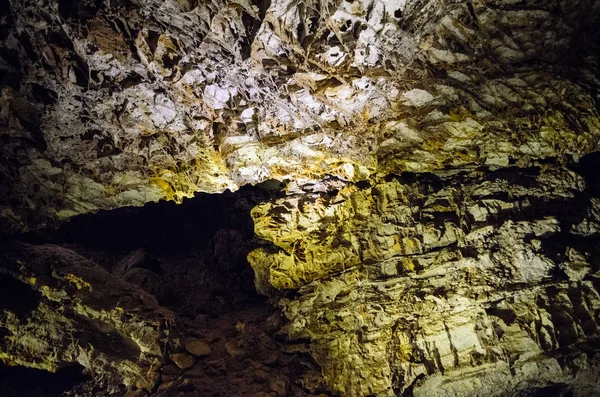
(428, 219)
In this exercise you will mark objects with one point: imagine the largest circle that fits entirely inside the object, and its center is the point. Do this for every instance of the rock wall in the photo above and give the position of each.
(459, 284)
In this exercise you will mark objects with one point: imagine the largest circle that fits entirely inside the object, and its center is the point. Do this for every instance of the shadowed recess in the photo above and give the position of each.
(29, 382)
(17, 296)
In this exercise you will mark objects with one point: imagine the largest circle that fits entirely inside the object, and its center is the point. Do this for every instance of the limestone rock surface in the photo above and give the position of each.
(432, 221)
(117, 103)
(453, 285)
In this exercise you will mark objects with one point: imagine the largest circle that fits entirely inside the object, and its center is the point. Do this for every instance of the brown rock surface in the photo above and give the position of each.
(197, 347)
(183, 360)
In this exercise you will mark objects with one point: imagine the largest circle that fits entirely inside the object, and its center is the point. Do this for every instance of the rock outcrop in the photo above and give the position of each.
(459, 284)
(81, 315)
(432, 222)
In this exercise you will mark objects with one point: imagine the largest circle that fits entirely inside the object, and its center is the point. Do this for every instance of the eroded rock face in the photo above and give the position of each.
(84, 316)
(434, 237)
(458, 284)
(107, 104)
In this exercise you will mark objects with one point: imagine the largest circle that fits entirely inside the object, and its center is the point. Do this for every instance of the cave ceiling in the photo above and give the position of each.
(118, 103)
(410, 185)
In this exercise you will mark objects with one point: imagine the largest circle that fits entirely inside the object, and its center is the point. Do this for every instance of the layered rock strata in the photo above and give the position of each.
(457, 284)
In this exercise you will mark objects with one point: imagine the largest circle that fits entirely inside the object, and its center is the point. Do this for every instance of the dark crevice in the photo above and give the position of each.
(252, 25)
(556, 390)
(588, 168)
(507, 315)
(43, 95)
(192, 256)
(17, 297)
(78, 9)
(152, 40)
(29, 382)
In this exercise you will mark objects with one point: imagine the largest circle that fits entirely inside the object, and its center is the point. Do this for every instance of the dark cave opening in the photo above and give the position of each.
(589, 169)
(30, 382)
(191, 256)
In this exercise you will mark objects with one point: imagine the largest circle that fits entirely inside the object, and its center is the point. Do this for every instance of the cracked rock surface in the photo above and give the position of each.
(458, 284)
(410, 185)
(117, 103)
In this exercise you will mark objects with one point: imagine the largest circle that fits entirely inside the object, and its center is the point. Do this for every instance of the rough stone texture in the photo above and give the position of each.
(435, 235)
(458, 284)
(197, 347)
(106, 104)
(83, 315)
(63, 313)
(183, 360)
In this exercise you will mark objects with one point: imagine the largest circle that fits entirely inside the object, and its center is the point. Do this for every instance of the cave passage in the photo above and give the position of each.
(191, 256)
(17, 297)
